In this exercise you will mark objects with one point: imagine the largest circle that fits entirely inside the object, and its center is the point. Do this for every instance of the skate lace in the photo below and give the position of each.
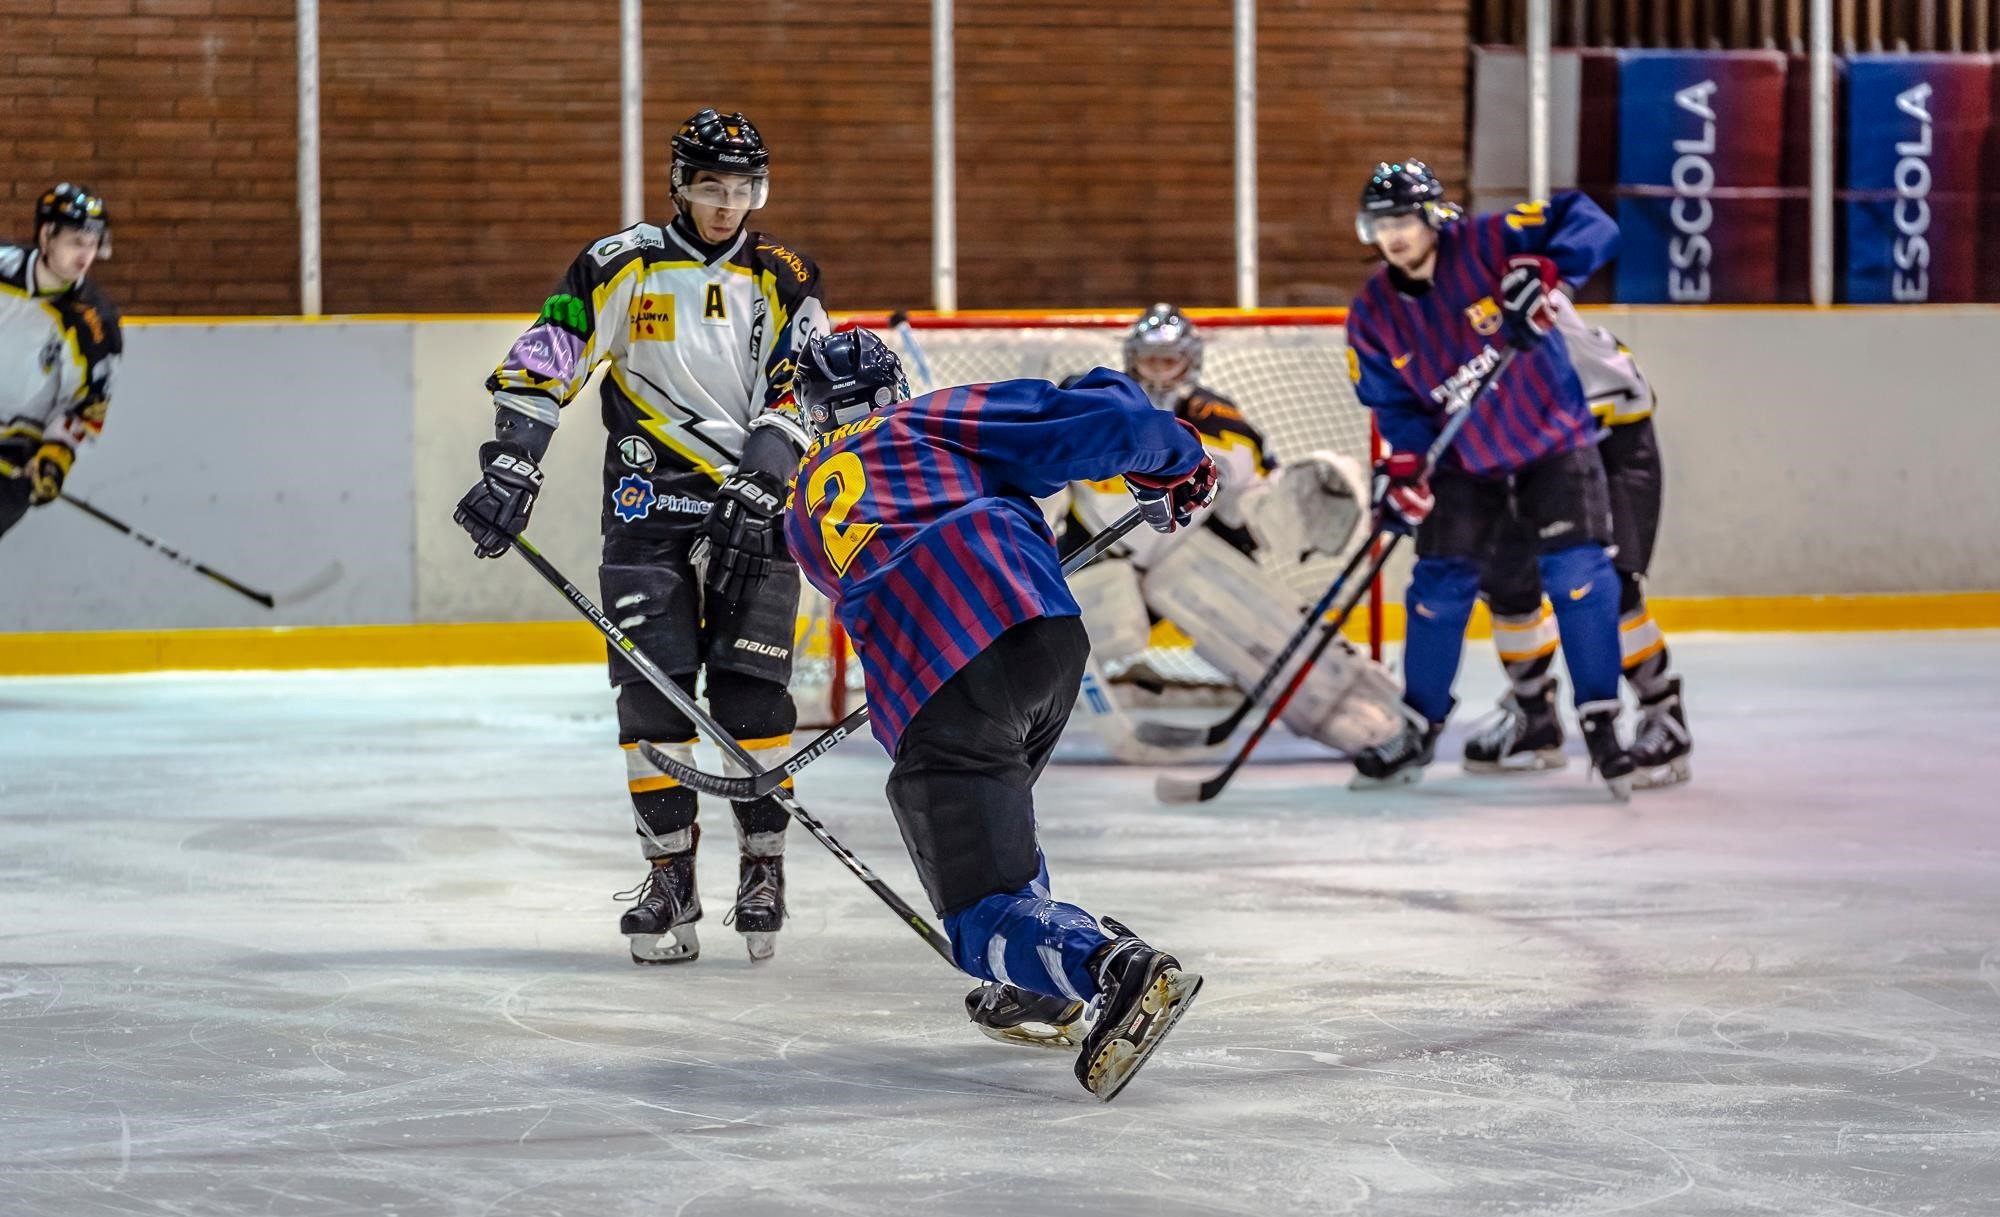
(1657, 732)
(1501, 725)
(650, 890)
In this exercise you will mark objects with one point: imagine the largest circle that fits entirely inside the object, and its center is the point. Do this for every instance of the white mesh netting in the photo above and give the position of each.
(1290, 378)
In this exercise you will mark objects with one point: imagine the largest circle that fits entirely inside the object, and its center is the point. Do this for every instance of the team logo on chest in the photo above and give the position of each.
(1484, 316)
(633, 500)
(653, 319)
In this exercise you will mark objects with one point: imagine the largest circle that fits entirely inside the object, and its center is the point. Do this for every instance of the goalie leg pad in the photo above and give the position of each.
(1240, 619)
(1114, 610)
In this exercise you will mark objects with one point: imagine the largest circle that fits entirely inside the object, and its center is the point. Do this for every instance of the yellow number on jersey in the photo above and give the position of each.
(1527, 215)
(841, 540)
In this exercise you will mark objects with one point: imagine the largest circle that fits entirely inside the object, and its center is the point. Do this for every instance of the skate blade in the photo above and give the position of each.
(1172, 993)
(1067, 1037)
(762, 944)
(1522, 762)
(685, 947)
(1621, 788)
(1402, 777)
(1656, 777)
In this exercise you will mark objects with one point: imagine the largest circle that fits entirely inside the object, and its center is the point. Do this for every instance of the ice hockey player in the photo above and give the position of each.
(700, 322)
(1206, 579)
(918, 521)
(1526, 733)
(60, 343)
(1421, 338)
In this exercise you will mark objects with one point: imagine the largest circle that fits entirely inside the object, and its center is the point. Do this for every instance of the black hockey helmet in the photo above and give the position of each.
(67, 205)
(1400, 189)
(1162, 330)
(722, 143)
(846, 376)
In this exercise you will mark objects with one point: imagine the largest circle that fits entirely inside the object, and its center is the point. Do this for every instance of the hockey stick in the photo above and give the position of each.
(1172, 788)
(686, 704)
(311, 587)
(761, 782)
(899, 321)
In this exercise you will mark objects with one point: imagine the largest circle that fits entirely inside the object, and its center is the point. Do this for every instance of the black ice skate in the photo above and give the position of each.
(1660, 753)
(668, 907)
(1525, 737)
(1608, 758)
(760, 904)
(1398, 762)
(1032, 1020)
(1144, 993)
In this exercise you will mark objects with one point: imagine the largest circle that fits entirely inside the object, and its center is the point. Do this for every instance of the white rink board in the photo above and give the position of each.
(335, 944)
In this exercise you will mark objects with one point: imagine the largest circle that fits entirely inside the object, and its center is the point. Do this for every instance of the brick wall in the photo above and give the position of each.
(470, 147)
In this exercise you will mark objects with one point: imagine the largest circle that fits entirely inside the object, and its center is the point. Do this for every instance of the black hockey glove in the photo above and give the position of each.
(1525, 288)
(47, 469)
(1169, 502)
(17, 446)
(496, 510)
(745, 532)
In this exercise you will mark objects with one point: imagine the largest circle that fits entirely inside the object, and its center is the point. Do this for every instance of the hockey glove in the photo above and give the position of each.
(745, 532)
(47, 469)
(1525, 314)
(496, 510)
(17, 446)
(1167, 502)
(1405, 499)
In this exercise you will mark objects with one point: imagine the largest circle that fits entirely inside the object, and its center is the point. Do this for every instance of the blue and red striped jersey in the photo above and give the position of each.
(919, 522)
(1414, 357)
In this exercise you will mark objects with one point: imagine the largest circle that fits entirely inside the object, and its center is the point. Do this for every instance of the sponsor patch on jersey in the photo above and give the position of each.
(789, 258)
(637, 454)
(653, 319)
(634, 498)
(1484, 316)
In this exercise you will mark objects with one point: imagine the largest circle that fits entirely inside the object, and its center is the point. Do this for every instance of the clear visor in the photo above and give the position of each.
(1366, 223)
(733, 191)
(95, 228)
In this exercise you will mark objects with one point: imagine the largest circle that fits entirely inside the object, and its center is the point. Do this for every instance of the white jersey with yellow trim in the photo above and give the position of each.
(700, 346)
(1612, 382)
(58, 351)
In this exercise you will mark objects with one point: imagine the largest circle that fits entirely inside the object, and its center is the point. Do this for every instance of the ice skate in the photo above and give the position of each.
(1143, 994)
(1608, 758)
(760, 905)
(1526, 736)
(1032, 1020)
(661, 925)
(1660, 753)
(1398, 762)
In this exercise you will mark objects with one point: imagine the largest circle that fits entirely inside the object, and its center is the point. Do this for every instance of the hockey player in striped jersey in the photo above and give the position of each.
(698, 323)
(59, 344)
(918, 521)
(1526, 733)
(1421, 336)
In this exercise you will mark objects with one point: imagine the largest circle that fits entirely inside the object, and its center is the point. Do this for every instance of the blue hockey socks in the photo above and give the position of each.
(1025, 939)
(1584, 590)
(1439, 603)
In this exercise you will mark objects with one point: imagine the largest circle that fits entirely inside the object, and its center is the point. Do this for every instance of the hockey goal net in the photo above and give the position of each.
(1286, 369)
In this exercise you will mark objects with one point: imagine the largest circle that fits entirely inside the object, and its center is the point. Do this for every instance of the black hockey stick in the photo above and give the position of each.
(1172, 788)
(687, 705)
(762, 782)
(311, 587)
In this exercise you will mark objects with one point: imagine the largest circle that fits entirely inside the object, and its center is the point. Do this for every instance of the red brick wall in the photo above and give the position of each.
(470, 147)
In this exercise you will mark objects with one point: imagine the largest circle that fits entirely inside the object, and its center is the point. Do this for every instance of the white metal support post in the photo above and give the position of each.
(944, 161)
(308, 187)
(1822, 152)
(1538, 98)
(631, 116)
(1246, 153)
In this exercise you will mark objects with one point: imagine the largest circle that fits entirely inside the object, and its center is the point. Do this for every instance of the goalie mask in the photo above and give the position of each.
(1163, 353)
(1400, 189)
(847, 376)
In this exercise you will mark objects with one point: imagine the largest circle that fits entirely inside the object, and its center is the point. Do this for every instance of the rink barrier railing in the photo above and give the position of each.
(463, 644)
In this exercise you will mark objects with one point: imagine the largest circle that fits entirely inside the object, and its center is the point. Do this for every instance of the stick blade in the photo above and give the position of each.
(695, 779)
(1173, 788)
(1182, 736)
(326, 578)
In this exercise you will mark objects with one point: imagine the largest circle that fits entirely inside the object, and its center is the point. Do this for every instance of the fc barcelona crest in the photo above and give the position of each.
(1484, 316)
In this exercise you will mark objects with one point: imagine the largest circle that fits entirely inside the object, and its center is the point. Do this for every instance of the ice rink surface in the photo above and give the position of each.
(344, 943)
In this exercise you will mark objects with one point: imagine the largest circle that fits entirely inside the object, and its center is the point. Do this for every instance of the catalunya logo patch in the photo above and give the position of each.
(634, 498)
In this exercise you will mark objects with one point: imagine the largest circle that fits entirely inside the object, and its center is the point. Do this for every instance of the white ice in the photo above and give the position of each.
(343, 943)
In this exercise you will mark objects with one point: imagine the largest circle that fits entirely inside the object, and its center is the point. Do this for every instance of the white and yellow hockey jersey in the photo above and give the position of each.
(700, 347)
(57, 355)
(1612, 383)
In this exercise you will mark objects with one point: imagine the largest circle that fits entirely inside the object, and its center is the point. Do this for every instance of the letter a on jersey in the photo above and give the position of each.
(714, 309)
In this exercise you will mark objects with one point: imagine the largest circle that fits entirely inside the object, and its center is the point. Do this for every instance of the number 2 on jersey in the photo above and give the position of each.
(842, 473)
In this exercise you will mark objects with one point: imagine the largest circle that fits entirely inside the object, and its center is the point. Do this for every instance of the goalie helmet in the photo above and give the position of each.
(70, 206)
(1400, 189)
(1163, 330)
(847, 376)
(721, 143)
